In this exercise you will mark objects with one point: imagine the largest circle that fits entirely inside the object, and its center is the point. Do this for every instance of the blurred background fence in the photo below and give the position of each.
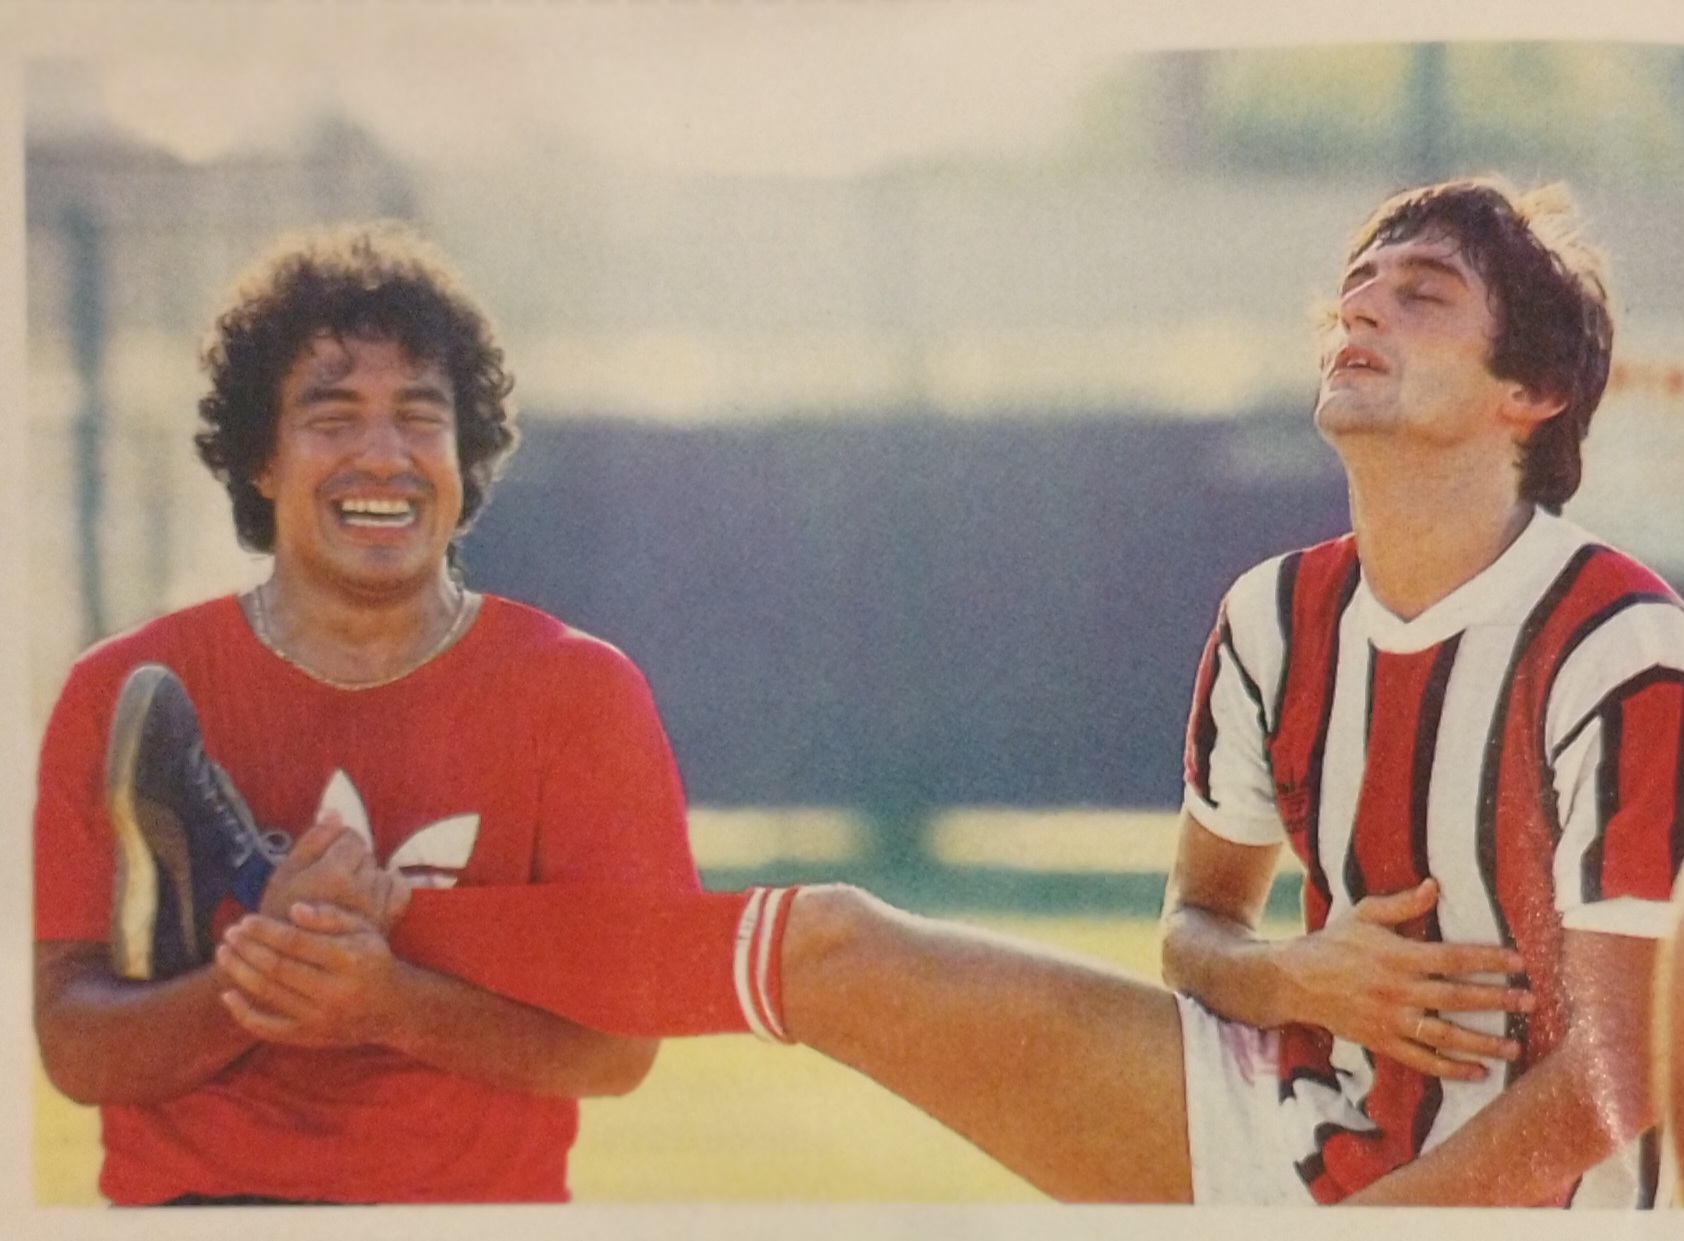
(913, 489)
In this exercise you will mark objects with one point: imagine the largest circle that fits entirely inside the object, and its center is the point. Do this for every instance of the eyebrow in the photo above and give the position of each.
(1414, 263)
(321, 393)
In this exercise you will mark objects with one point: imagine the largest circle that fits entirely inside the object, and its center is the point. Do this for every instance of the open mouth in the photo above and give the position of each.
(378, 514)
(1362, 361)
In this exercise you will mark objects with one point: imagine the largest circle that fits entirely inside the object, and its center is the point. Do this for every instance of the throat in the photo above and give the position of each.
(359, 647)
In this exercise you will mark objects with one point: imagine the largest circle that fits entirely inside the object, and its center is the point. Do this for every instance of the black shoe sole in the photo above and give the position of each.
(148, 841)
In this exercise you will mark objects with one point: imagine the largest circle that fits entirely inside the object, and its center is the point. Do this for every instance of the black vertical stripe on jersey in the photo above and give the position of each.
(1247, 681)
(1515, 1024)
(1607, 800)
(1315, 872)
(1286, 591)
(1356, 883)
(1204, 726)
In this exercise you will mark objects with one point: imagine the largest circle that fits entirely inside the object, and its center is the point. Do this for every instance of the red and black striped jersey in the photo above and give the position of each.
(1521, 742)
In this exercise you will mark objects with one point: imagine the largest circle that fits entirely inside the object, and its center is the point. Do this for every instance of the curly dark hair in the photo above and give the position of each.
(1549, 293)
(379, 281)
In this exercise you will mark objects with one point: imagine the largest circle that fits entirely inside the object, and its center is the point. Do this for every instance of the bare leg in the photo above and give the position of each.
(1065, 1070)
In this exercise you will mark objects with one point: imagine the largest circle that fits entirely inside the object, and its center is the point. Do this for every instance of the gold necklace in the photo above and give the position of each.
(265, 635)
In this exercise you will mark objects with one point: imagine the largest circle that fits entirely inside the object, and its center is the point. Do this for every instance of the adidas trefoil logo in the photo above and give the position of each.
(434, 854)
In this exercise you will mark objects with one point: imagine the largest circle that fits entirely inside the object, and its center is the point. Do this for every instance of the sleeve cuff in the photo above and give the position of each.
(1235, 828)
(1624, 915)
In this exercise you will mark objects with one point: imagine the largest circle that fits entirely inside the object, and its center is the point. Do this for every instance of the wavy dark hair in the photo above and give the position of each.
(1549, 294)
(379, 281)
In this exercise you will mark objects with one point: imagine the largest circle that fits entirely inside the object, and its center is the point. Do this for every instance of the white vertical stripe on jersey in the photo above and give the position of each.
(1253, 607)
(1581, 818)
(1465, 914)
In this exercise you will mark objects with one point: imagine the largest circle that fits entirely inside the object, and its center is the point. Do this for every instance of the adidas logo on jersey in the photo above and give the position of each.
(432, 856)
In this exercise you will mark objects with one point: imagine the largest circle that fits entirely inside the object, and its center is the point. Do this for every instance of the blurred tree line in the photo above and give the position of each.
(1599, 113)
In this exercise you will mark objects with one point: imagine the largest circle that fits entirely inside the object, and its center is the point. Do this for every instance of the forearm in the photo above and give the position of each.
(1586, 1099)
(460, 1028)
(1534, 1140)
(108, 1040)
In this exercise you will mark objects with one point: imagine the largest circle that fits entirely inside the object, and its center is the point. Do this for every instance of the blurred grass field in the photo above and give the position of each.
(726, 1119)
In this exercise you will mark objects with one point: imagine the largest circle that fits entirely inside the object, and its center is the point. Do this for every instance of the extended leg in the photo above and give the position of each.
(1064, 1069)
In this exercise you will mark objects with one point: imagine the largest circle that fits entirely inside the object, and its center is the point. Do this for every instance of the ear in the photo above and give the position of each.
(264, 482)
(1526, 409)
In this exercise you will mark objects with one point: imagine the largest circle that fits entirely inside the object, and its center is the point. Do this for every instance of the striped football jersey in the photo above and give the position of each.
(1521, 742)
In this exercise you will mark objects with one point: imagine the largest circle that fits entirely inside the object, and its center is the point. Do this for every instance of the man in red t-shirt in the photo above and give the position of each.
(357, 418)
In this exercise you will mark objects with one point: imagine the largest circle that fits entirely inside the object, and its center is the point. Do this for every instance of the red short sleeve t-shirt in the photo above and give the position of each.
(547, 738)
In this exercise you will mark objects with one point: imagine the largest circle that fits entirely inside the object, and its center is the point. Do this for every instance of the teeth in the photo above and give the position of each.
(376, 511)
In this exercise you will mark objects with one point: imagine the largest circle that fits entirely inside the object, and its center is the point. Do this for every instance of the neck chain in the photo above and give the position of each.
(260, 623)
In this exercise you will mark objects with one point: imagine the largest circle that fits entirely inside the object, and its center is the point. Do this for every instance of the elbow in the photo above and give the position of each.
(74, 1073)
(69, 1078)
(614, 1066)
(625, 1069)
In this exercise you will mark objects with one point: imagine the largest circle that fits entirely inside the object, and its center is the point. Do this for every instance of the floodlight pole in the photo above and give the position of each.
(84, 241)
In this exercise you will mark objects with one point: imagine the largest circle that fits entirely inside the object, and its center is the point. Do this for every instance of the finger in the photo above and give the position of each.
(1424, 1060)
(309, 847)
(254, 1020)
(1395, 907)
(346, 854)
(260, 980)
(285, 942)
(1441, 1035)
(1471, 997)
(323, 918)
(399, 900)
(1451, 960)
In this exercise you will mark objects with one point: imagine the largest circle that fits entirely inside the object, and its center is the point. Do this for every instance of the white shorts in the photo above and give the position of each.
(1241, 1136)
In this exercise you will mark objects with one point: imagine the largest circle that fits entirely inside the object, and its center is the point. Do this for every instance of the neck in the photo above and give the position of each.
(1423, 532)
(357, 641)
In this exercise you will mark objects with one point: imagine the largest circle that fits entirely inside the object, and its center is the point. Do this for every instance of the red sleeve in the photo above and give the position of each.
(74, 859)
(1640, 793)
(642, 962)
(614, 777)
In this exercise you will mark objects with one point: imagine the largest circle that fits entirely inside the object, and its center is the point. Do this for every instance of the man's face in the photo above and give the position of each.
(1409, 352)
(364, 476)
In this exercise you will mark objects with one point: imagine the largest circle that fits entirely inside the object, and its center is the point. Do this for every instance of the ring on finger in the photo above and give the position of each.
(1420, 1027)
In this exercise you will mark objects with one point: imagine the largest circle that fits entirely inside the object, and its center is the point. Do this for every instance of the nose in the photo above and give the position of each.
(1360, 303)
(382, 444)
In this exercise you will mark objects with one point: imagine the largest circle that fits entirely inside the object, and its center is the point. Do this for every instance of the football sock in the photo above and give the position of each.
(628, 960)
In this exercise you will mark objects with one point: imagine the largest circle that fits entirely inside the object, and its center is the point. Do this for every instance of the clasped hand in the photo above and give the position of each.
(312, 967)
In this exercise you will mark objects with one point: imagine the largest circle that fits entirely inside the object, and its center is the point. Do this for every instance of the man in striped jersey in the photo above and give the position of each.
(1465, 718)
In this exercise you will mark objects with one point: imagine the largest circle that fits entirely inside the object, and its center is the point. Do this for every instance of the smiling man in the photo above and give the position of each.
(357, 415)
